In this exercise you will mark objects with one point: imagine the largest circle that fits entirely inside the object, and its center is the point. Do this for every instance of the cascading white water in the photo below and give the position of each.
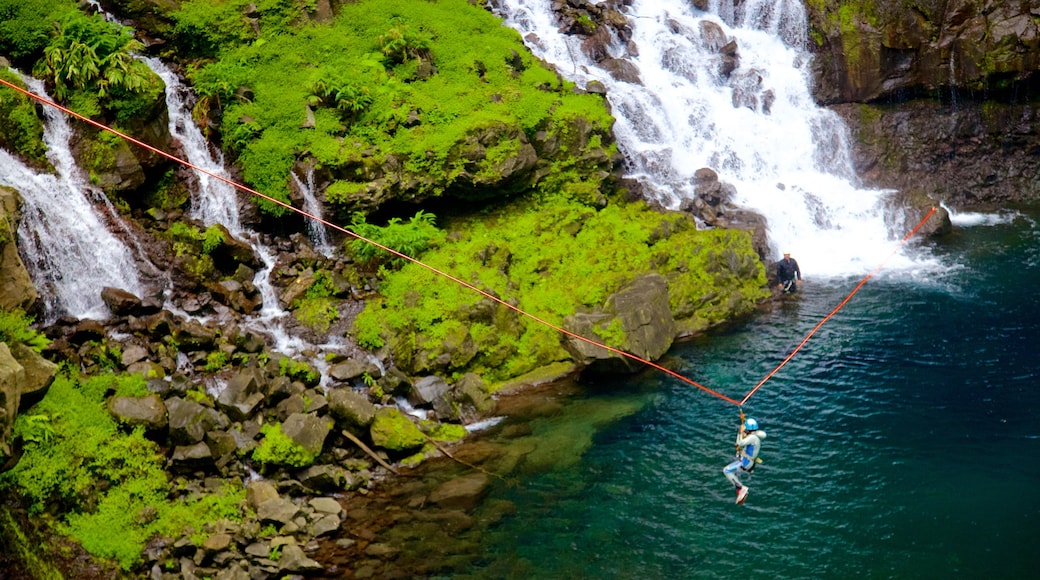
(757, 127)
(318, 232)
(215, 201)
(64, 232)
(212, 201)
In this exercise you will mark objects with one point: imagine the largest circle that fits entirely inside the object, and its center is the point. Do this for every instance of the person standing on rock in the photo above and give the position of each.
(749, 442)
(788, 274)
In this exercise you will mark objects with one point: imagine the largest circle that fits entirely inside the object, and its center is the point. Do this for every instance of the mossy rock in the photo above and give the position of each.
(392, 431)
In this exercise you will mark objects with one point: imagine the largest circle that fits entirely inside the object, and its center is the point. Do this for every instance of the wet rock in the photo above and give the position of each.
(148, 411)
(242, 395)
(463, 493)
(352, 410)
(193, 335)
(351, 369)
(16, 286)
(324, 478)
(121, 302)
(472, 399)
(428, 391)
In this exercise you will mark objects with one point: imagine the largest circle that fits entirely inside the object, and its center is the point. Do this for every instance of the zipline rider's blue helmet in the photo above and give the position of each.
(751, 425)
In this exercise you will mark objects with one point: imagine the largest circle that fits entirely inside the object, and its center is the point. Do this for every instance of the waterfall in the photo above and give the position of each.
(212, 201)
(64, 234)
(319, 234)
(756, 126)
(215, 201)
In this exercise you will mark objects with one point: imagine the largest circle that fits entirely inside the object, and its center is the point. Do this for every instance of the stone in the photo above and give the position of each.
(427, 390)
(393, 431)
(12, 375)
(189, 421)
(258, 492)
(217, 542)
(324, 478)
(326, 505)
(647, 328)
(17, 291)
(472, 399)
(242, 394)
(325, 525)
(194, 335)
(351, 369)
(351, 410)
(121, 302)
(277, 510)
(308, 431)
(191, 457)
(294, 560)
(463, 493)
(148, 411)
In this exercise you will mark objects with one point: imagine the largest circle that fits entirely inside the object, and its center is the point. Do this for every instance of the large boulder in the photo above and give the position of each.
(352, 410)
(636, 319)
(392, 431)
(148, 411)
(16, 288)
(242, 395)
(12, 375)
(190, 421)
(308, 431)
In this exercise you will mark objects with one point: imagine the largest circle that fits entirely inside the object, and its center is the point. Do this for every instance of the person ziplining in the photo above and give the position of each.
(749, 444)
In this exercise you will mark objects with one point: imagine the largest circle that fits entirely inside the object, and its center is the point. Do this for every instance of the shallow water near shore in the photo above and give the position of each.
(901, 442)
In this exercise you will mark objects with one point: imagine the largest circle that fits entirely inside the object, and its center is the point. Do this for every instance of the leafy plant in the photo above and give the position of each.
(410, 238)
(16, 328)
(401, 44)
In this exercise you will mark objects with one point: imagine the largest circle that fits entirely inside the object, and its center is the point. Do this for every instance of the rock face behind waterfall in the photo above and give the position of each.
(16, 288)
(937, 98)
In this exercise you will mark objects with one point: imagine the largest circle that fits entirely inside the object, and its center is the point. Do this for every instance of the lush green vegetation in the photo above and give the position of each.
(16, 328)
(552, 258)
(394, 85)
(106, 486)
(21, 130)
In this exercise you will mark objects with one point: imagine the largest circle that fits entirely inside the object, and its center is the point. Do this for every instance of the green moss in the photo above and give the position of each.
(393, 431)
(552, 259)
(360, 76)
(277, 448)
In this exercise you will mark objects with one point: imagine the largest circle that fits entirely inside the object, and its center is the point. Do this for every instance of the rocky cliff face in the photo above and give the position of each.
(945, 93)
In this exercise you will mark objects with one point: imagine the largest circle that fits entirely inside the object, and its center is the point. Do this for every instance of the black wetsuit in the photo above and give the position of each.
(787, 272)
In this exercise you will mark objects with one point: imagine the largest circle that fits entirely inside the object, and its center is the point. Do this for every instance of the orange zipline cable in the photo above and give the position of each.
(459, 281)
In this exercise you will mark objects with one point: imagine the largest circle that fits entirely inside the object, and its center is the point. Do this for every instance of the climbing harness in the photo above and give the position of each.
(484, 293)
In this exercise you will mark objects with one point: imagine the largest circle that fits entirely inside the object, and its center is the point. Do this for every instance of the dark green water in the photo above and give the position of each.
(902, 441)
